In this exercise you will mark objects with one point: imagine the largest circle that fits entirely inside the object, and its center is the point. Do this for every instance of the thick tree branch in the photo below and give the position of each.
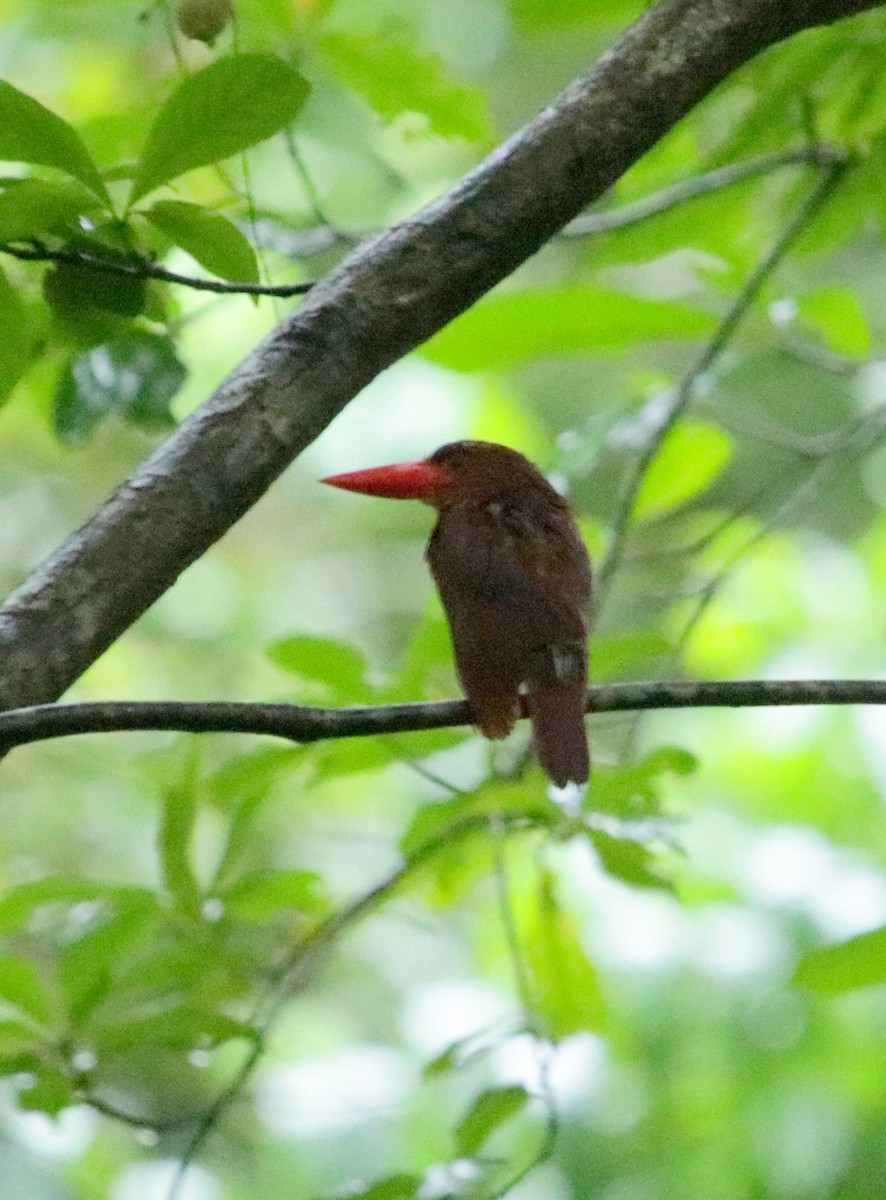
(304, 724)
(383, 300)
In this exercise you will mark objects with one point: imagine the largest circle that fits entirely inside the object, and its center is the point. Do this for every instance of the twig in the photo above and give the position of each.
(304, 175)
(705, 184)
(307, 242)
(860, 435)
(304, 724)
(138, 267)
(683, 395)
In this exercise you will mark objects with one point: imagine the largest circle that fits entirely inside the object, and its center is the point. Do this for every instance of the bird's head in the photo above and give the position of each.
(455, 470)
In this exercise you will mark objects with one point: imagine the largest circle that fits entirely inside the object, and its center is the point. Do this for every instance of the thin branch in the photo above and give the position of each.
(705, 184)
(135, 266)
(210, 1117)
(859, 436)
(683, 394)
(304, 243)
(151, 1125)
(304, 175)
(304, 724)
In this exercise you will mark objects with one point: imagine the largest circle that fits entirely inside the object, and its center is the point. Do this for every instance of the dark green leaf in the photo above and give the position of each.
(488, 1113)
(14, 336)
(214, 241)
(394, 77)
(31, 208)
(225, 108)
(856, 963)
(31, 133)
(565, 985)
(75, 290)
(135, 376)
(516, 327)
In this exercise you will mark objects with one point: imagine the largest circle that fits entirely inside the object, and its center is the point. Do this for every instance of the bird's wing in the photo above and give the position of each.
(525, 566)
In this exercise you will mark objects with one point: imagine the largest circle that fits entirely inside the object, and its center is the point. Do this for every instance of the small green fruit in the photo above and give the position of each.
(204, 20)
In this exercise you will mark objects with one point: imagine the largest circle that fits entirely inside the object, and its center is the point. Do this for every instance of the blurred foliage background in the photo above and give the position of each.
(675, 991)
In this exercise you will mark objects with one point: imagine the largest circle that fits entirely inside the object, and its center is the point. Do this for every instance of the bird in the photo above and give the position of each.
(514, 579)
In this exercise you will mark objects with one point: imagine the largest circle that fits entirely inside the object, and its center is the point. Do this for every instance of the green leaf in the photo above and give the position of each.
(338, 668)
(20, 903)
(183, 1026)
(428, 670)
(174, 842)
(214, 241)
(631, 791)
(90, 961)
(20, 1047)
(136, 376)
(394, 77)
(394, 1187)
(450, 1059)
(261, 897)
(621, 655)
(23, 988)
(691, 457)
(252, 775)
(76, 290)
(489, 1112)
(856, 963)
(51, 1091)
(627, 860)
(31, 133)
(836, 314)
(227, 107)
(517, 327)
(565, 985)
(14, 336)
(31, 208)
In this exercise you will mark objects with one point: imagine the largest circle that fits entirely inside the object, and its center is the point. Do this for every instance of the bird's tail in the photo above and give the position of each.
(558, 730)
